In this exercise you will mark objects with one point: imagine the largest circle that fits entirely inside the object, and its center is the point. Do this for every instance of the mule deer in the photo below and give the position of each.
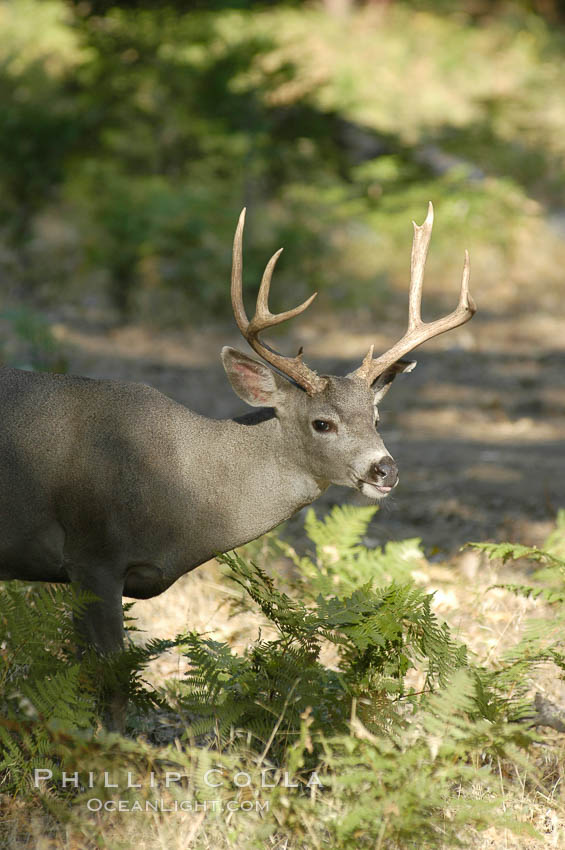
(115, 487)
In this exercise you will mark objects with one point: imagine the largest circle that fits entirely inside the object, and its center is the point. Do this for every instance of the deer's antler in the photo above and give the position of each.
(419, 331)
(292, 367)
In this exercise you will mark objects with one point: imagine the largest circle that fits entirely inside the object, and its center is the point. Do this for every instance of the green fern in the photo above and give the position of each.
(340, 531)
(514, 551)
(340, 563)
(542, 640)
(378, 635)
(43, 686)
(416, 785)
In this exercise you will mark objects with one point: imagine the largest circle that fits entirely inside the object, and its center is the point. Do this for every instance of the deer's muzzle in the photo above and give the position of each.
(384, 473)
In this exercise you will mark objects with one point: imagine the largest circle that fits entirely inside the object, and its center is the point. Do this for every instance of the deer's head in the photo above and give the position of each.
(330, 423)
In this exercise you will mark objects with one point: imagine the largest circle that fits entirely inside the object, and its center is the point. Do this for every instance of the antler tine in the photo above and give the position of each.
(418, 331)
(237, 304)
(292, 367)
(465, 298)
(263, 317)
(262, 304)
(420, 245)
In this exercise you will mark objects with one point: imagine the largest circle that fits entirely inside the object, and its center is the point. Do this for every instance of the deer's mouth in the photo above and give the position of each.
(369, 488)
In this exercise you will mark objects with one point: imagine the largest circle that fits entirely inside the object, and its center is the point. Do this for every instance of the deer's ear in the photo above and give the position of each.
(253, 382)
(381, 385)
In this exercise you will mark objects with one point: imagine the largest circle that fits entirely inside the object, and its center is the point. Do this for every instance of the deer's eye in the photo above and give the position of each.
(323, 426)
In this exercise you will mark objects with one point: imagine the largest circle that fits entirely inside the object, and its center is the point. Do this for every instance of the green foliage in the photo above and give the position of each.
(555, 543)
(40, 681)
(44, 687)
(514, 551)
(38, 349)
(388, 758)
(327, 686)
(543, 638)
(340, 563)
(140, 130)
(41, 126)
(409, 786)
(34, 657)
(377, 634)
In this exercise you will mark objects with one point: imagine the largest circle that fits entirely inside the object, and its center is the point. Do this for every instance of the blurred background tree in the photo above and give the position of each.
(132, 133)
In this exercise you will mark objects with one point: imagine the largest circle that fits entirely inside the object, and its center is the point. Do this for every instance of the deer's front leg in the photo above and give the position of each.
(101, 627)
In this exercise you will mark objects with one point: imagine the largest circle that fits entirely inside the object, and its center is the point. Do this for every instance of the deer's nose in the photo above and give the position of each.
(384, 472)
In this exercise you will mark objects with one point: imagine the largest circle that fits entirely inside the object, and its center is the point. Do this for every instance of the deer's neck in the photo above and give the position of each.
(258, 481)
